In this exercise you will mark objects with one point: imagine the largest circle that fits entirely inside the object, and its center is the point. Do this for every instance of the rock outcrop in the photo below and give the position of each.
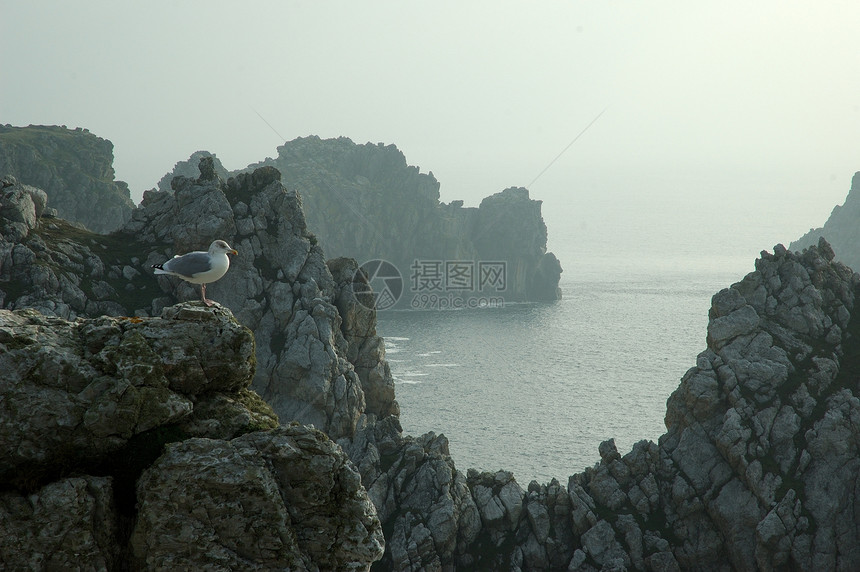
(282, 499)
(136, 443)
(841, 230)
(508, 226)
(279, 286)
(365, 202)
(757, 470)
(190, 169)
(362, 201)
(74, 167)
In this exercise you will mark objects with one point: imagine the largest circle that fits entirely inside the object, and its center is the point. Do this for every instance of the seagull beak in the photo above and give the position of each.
(231, 251)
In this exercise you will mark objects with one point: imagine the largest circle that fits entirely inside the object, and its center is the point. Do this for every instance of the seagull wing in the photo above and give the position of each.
(189, 264)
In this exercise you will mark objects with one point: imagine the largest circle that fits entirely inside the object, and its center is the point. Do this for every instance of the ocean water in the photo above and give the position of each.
(534, 388)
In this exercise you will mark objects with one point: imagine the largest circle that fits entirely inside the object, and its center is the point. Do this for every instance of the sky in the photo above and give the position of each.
(708, 114)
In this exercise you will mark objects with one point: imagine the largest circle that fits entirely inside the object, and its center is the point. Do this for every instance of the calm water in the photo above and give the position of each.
(534, 388)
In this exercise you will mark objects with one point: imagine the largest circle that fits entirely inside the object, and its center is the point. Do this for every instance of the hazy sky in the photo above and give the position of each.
(713, 106)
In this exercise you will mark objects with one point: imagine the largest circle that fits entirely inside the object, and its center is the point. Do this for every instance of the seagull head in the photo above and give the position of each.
(220, 246)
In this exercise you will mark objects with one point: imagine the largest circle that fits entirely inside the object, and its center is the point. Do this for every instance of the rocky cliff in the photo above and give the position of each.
(135, 443)
(74, 167)
(841, 230)
(365, 202)
(279, 285)
(758, 468)
(362, 201)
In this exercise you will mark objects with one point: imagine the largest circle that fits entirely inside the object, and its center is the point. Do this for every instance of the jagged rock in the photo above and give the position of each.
(279, 286)
(365, 202)
(283, 499)
(365, 349)
(78, 391)
(190, 169)
(508, 226)
(423, 501)
(728, 481)
(74, 168)
(757, 468)
(21, 206)
(87, 408)
(841, 230)
(70, 524)
(65, 271)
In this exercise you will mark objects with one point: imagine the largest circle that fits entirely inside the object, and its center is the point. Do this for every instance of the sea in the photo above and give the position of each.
(534, 388)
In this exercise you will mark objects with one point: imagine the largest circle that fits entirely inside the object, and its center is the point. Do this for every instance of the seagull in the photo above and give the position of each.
(200, 267)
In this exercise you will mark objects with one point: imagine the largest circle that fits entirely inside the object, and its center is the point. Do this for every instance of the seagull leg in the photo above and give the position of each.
(203, 295)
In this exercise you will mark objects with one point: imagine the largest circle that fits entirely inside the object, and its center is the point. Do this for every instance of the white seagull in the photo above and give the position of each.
(200, 267)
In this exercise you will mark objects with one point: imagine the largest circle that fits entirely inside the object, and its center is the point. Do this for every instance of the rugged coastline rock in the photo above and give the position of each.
(757, 470)
(508, 226)
(74, 167)
(841, 229)
(279, 286)
(136, 443)
(362, 202)
(190, 169)
(365, 202)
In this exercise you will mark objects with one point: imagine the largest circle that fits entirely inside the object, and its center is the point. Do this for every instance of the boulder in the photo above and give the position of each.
(77, 392)
(69, 524)
(135, 443)
(282, 499)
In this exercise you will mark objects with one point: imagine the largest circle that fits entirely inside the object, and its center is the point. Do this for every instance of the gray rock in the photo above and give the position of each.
(419, 495)
(105, 395)
(191, 169)
(69, 524)
(365, 349)
(600, 544)
(757, 467)
(356, 197)
(77, 391)
(279, 286)
(71, 168)
(287, 498)
(17, 211)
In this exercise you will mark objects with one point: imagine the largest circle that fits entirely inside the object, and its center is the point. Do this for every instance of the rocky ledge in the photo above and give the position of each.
(316, 365)
(136, 443)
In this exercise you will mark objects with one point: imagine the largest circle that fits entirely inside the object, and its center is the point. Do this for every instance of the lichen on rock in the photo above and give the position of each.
(111, 424)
